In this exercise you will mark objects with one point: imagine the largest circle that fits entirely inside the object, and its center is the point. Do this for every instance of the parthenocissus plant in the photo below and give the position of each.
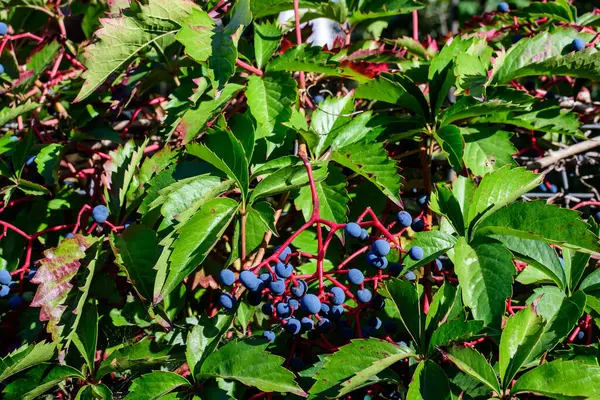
(260, 199)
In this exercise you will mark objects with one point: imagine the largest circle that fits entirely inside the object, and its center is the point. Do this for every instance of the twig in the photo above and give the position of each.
(564, 153)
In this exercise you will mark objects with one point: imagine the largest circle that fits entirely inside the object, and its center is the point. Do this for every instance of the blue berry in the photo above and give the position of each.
(100, 214)
(355, 277)
(390, 327)
(69, 236)
(338, 296)
(324, 325)
(503, 7)
(269, 335)
(368, 397)
(336, 312)
(294, 304)
(277, 287)
(364, 234)
(395, 269)
(1, 69)
(267, 309)
(284, 254)
(5, 277)
(517, 37)
(311, 304)
(410, 276)
(319, 99)
(4, 291)
(367, 332)
(283, 270)
(296, 364)
(227, 301)
(325, 308)
(265, 277)
(578, 44)
(597, 216)
(30, 159)
(422, 200)
(227, 277)
(254, 298)
(580, 335)
(249, 280)
(378, 302)
(31, 274)
(352, 229)
(15, 302)
(293, 326)
(3, 28)
(418, 225)
(439, 265)
(363, 295)
(542, 187)
(402, 343)
(404, 219)
(549, 95)
(127, 224)
(377, 261)
(307, 324)
(416, 253)
(381, 247)
(348, 332)
(375, 322)
(553, 188)
(299, 290)
(283, 310)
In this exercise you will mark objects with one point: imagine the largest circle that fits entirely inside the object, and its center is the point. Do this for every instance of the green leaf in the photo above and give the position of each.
(31, 188)
(444, 202)
(474, 364)
(267, 37)
(121, 39)
(136, 252)
(154, 385)
(471, 75)
(371, 161)
(485, 271)
(520, 336)
(561, 313)
(499, 189)
(223, 56)
(204, 338)
(48, 160)
(285, 179)
(38, 380)
(270, 99)
(406, 300)
(195, 239)
(433, 243)
(135, 356)
(85, 337)
(538, 254)
(487, 149)
(463, 190)
(559, 10)
(260, 220)
(469, 107)
(591, 282)
(305, 58)
(451, 141)
(429, 382)
(337, 12)
(250, 363)
(9, 114)
(22, 152)
(574, 263)
(90, 392)
(353, 364)
(441, 305)
(454, 331)
(540, 221)
(25, 357)
(330, 115)
(38, 62)
(560, 380)
(547, 53)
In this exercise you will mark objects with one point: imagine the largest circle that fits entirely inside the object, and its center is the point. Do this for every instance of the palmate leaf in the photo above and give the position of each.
(287, 178)
(154, 385)
(450, 139)
(85, 336)
(136, 356)
(26, 357)
(250, 363)
(443, 202)
(344, 370)
(48, 160)
(120, 39)
(204, 338)
(305, 58)
(559, 10)
(433, 243)
(38, 380)
(371, 161)
(54, 275)
(429, 383)
(267, 37)
(474, 364)
(487, 149)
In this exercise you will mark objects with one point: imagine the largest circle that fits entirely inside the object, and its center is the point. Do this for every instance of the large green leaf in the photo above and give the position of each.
(354, 364)
(267, 37)
(485, 271)
(452, 143)
(474, 364)
(195, 239)
(559, 10)
(136, 356)
(330, 114)
(38, 380)
(25, 357)
(9, 114)
(136, 252)
(574, 264)
(464, 190)
(305, 58)
(371, 161)
(121, 39)
(520, 336)
(154, 385)
(469, 107)
(540, 221)
(591, 282)
(454, 331)
(287, 178)
(406, 301)
(441, 305)
(561, 380)
(85, 337)
(433, 243)
(48, 160)
(250, 363)
(270, 99)
(499, 189)
(429, 382)
(487, 149)
(443, 202)
(203, 339)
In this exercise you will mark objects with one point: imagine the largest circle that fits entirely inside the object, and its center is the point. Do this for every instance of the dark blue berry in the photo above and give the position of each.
(352, 229)
(381, 247)
(390, 327)
(542, 187)
(410, 276)
(319, 99)
(364, 234)
(597, 216)
(284, 254)
(336, 312)
(267, 309)
(296, 364)
(283, 310)
(338, 296)
(249, 280)
(416, 253)
(422, 200)
(100, 214)
(377, 261)
(578, 44)
(5, 277)
(517, 37)
(404, 219)
(363, 296)
(325, 308)
(293, 326)
(269, 335)
(378, 302)
(227, 277)
(265, 277)
(395, 268)
(367, 332)
(29, 161)
(311, 304)
(553, 188)
(355, 277)
(299, 290)
(550, 95)
(31, 274)
(227, 301)
(580, 335)
(307, 324)
(348, 332)
(503, 7)
(4, 291)
(69, 236)
(15, 302)
(284, 270)
(418, 225)
(438, 264)
(294, 304)
(375, 322)
(1, 69)
(324, 325)
(277, 287)
(3, 28)
(254, 298)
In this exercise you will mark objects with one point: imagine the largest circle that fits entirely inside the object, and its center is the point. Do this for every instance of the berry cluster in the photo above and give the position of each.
(6, 284)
